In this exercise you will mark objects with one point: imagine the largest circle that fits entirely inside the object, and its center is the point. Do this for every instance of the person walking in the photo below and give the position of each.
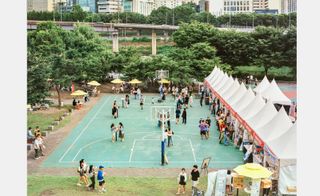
(115, 109)
(182, 179)
(100, 178)
(195, 175)
(121, 131)
(92, 176)
(127, 101)
(184, 116)
(113, 132)
(36, 146)
(228, 183)
(82, 170)
(208, 122)
(30, 135)
(190, 101)
(169, 135)
(177, 115)
(141, 102)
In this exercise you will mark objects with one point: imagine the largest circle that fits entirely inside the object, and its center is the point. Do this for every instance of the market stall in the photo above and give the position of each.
(274, 94)
(263, 85)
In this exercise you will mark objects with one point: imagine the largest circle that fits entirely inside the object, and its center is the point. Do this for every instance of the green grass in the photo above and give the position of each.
(61, 185)
(281, 73)
(44, 120)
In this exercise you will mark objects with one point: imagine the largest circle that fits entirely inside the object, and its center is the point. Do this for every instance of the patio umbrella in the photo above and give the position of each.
(117, 81)
(164, 81)
(78, 93)
(253, 170)
(135, 81)
(94, 83)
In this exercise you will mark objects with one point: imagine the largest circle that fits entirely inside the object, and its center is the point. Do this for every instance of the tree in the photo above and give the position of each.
(181, 14)
(77, 13)
(162, 15)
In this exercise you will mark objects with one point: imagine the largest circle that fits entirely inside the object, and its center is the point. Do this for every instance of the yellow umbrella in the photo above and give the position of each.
(135, 81)
(78, 93)
(253, 170)
(94, 83)
(164, 81)
(117, 81)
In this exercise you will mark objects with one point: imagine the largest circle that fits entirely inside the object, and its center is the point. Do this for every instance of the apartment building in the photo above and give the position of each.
(109, 6)
(40, 5)
(288, 6)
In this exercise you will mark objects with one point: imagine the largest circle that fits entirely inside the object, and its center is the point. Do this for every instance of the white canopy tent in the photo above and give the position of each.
(222, 83)
(263, 85)
(227, 85)
(212, 73)
(277, 126)
(287, 149)
(274, 94)
(263, 116)
(216, 76)
(223, 78)
(236, 95)
(235, 85)
(252, 108)
(244, 101)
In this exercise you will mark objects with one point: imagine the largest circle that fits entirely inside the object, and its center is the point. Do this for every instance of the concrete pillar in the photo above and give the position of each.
(154, 43)
(166, 35)
(115, 42)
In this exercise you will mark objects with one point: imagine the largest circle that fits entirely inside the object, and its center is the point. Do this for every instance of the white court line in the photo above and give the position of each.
(150, 161)
(134, 143)
(83, 130)
(194, 156)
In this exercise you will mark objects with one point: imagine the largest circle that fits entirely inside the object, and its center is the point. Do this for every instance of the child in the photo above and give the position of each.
(184, 116)
(92, 176)
(121, 132)
(113, 132)
(182, 179)
(82, 170)
(141, 102)
(100, 178)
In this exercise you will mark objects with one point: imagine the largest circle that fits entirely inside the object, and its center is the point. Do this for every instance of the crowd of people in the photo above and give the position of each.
(117, 132)
(34, 137)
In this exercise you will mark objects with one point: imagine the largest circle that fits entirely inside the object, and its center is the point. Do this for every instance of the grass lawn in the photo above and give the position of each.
(43, 120)
(281, 73)
(59, 185)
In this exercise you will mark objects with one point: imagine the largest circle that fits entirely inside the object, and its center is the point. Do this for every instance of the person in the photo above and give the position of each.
(195, 175)
(100, 178)
(208, 122)
(139, 93)
(203, 129)
(177, 115)
(186, 100)
(182, 179)
(74, 103)
(121, 131)
(113, 132)
(115, 109)
(168, 120)
(141, 102)
(184, 116)
(30, 136)
(228, 182)
(82, 170)
(190, 101)
(127, 101)
(169, 135)
(37, 131)
(37, 146)
(266, 186)
(113, 89)
(92, 176)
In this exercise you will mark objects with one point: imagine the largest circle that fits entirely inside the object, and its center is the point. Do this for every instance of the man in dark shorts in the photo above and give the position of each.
(195, 175)
(100, 178)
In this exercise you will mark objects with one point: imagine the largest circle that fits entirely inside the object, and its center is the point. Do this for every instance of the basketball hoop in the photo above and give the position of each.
(161, 74)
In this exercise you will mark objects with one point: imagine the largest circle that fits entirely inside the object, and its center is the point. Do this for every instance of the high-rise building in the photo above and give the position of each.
(127, 6)
(237, 6)
(167, 3)
(109, 6)
(288, 6)
(266, 6)
(40, 5)
(143, 7)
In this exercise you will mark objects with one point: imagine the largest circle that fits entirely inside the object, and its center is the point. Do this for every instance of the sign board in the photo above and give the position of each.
(238, 182)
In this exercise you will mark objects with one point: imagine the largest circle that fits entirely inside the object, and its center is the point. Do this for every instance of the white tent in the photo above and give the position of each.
(274, 94)
(252, 108)
(227, 85)
(263, 85)
(236, 95)
(285, 146)
(235, 85)
(216, 77)
(219, 81)
(244, 101)
(263, 116)
(277, 126)
(212, 73)
(222, 83)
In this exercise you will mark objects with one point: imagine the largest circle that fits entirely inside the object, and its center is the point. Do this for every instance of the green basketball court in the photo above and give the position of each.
(91, 139)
